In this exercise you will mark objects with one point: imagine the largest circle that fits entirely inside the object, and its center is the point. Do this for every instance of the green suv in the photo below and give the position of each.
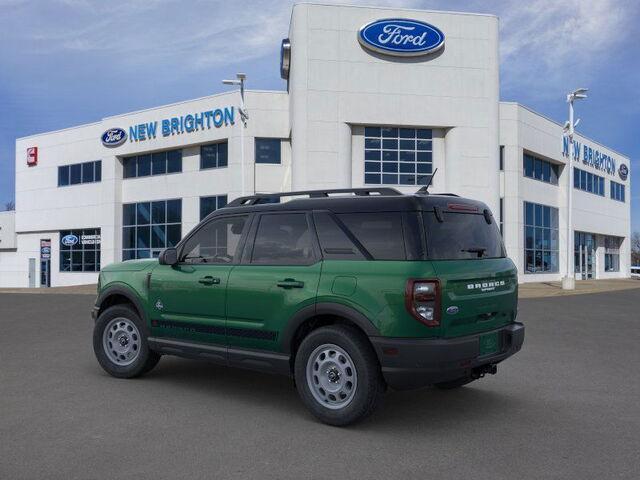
(346, 291)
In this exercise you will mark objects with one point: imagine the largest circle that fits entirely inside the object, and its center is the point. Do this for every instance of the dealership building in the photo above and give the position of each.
(374, 97)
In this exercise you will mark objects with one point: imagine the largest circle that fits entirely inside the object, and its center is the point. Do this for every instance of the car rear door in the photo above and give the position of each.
(278, 275)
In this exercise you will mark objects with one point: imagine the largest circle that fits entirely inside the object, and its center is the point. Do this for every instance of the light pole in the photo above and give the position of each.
(244, 116)
(569, 281)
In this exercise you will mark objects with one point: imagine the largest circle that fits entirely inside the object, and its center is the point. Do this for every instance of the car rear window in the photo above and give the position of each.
(461, 236)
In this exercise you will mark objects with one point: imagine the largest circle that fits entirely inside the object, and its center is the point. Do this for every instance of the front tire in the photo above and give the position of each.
(338, 376)
(120, 344)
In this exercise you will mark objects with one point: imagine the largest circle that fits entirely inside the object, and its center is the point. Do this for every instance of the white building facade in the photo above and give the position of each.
(356, 113)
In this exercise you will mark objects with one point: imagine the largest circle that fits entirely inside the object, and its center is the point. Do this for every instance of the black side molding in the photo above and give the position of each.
(264, 361)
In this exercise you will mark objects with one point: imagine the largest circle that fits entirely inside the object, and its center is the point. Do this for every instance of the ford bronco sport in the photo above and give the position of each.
(347, 291)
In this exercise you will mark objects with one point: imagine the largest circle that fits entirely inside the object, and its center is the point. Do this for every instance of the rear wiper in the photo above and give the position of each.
(479, 250)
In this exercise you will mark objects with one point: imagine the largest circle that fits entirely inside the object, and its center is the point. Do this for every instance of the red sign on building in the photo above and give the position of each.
(32, 156)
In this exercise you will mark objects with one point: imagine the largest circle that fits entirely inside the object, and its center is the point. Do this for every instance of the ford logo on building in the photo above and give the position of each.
(69, 240)
(114, 137)
(401, 37)
(623, 171)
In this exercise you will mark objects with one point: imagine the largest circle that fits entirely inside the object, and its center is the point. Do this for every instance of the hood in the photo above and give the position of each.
(131, 265)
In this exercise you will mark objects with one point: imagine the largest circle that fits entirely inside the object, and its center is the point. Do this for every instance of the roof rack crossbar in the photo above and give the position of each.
(265, 197)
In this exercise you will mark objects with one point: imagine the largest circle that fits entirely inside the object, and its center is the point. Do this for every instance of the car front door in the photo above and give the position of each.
(188, 300)
(278, 276)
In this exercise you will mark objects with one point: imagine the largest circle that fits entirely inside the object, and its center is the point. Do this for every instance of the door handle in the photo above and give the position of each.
(209, 280)
(290, 283)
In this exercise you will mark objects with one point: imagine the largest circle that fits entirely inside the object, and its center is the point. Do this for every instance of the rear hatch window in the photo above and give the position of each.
(462, 236)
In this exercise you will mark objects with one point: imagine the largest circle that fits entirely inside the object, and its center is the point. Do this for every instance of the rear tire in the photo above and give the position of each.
(120, 344)
(338, 376)
(453, 384)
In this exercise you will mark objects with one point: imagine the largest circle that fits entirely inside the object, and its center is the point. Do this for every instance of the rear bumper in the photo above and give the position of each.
(413, 363)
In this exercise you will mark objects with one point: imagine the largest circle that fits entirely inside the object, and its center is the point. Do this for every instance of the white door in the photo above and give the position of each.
(32, 273)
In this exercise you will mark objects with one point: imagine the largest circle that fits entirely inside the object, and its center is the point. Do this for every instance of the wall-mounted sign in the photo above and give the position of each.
(114, 137)
(589, 156)
(69, 240)
(401, 37)
(45, 249)
(623, 171)
(167, 127)
(32, 156)
(90, 239)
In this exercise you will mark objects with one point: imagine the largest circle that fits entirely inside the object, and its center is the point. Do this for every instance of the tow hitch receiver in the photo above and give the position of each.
(483, 370)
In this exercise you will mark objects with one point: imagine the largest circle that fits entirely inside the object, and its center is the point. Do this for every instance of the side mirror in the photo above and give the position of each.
(168, 256)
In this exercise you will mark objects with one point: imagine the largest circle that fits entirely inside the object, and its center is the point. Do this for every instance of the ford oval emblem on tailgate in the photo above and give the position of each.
(452, 310)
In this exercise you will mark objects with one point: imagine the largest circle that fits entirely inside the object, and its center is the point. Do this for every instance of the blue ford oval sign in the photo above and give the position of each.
(114, 137)
(623, 171)
(69, 240)
(401, 37)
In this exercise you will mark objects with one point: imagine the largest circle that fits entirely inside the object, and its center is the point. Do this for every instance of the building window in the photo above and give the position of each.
(397, 156)
(80, 250)
(88, 172)
(540, 169)
(159, 163)
(612, 254)
(268, 150)
(617, 191)
(211, 204)
(150, 227)
(214, 155)
(588, 182)
(541, 242)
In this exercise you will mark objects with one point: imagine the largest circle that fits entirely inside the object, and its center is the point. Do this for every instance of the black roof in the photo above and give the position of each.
(350, 200)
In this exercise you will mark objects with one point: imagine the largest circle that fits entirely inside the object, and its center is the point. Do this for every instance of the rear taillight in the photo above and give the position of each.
(422, 299)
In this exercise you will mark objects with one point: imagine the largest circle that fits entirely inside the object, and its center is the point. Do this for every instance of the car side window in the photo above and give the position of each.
(381, 233)
(216, 242)
(283, 239)
(334, 242)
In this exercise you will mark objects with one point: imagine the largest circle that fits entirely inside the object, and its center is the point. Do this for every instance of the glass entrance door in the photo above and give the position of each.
(45, 262)
(45, 273)
(584, 254)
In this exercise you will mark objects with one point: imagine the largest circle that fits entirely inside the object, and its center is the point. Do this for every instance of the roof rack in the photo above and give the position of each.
(275, 197)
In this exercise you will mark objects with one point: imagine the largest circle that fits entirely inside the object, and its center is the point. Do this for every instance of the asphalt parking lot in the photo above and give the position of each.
(567, 406)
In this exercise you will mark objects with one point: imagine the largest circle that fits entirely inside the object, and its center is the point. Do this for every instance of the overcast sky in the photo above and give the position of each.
(68, 62)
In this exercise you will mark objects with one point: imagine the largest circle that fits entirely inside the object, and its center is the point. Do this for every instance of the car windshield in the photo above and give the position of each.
(461, 236)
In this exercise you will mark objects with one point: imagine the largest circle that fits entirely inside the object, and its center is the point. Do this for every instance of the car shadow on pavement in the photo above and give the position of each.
(400, 410)
(443, 409)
